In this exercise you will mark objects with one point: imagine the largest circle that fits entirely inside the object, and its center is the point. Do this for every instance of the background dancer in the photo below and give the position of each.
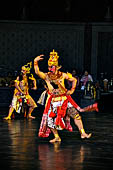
(21, 93)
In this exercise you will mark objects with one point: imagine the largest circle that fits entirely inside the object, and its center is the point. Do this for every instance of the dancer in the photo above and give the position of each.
(59, 104)
(21, 93)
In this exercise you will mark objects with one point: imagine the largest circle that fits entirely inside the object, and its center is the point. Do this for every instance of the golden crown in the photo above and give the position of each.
(53, 60)
(28, 67)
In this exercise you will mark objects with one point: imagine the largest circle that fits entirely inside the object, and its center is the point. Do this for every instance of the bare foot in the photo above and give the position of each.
(30, 117)
(7, 118)
(85, 135)
(58, 139)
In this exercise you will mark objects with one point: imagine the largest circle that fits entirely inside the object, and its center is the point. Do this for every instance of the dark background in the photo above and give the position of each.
(55, 10)
(80, 31)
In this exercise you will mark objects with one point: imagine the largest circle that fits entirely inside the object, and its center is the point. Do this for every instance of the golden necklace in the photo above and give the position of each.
(54, 76)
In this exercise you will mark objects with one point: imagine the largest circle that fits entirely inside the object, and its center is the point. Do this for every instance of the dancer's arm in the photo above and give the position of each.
(36, 67)
(17, 86)
(34, 83)
(74, 83)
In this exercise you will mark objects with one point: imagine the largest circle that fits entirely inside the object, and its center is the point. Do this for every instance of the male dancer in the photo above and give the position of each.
(59, 104)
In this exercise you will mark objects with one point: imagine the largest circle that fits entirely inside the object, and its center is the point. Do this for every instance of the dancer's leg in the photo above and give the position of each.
(29, 113)
(9, 114)
(31, 108)
(79, 124)
(56, 135)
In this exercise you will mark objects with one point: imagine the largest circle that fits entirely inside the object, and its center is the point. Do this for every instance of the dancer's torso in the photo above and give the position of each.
(23, 84)
(55, 83)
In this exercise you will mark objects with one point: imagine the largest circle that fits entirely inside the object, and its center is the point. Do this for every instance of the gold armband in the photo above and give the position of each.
(69, 75)
(35, 63)
(16, 81)
(73, 88)
(56, 135)
(77, 116)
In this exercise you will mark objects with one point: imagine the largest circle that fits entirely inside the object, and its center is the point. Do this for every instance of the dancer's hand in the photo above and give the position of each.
(38, 58)
(24, 93)
(34, 88)
(69, 92)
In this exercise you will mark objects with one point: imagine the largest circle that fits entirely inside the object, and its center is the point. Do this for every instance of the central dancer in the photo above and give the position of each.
(59, 105)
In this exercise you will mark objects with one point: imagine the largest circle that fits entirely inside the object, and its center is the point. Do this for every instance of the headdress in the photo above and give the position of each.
(28, 67)
(53, 60)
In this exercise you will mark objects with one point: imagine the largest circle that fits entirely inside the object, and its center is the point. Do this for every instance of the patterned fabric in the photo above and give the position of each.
(18, 101)
(67, 123)
(44, 130)
(71, 112)
(54, 116)
(42, 98)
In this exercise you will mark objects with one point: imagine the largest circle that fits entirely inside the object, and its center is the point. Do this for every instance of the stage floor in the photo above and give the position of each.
(21, 149)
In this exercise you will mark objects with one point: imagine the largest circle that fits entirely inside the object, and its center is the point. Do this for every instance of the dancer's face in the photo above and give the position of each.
(23, 70)
(52, 69)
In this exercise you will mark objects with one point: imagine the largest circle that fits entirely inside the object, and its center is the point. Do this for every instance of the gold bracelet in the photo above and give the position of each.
(35, 62)
(72, 89)
(56, 135)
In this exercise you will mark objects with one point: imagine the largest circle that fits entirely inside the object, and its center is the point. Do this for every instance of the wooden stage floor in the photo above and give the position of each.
(21, 149)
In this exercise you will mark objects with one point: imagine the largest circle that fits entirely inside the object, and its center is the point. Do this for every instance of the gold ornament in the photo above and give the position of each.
(53, 60)
(27, 67)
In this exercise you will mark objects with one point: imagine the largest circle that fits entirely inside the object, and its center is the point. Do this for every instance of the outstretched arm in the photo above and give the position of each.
(36, 67)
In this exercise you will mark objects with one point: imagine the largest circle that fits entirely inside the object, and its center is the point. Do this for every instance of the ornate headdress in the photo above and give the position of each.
(28, 67)
(53, 60)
